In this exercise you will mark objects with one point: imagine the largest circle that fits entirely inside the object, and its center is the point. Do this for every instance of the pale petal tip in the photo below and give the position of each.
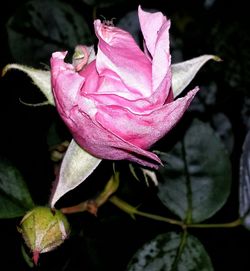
(193, 91)
(10, 67)
(59, 55)
(217, 58)
(97, 22)
(4, 70)
(141, 12)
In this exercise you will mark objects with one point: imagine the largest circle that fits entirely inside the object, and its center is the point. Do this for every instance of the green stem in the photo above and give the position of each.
(181, 247)
(131, 210)
(160, 218)
(232, 224)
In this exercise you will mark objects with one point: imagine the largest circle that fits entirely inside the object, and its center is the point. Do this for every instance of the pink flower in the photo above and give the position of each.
(122, 102)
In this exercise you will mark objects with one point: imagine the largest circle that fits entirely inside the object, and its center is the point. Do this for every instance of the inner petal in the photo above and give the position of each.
(119, 53)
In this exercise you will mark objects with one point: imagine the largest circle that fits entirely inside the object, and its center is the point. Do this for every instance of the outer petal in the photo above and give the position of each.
(102, 143)
(151, 23)
(143, 130)
(64, 78)
(119, 53)
(155, 29)
(161, 57)
(66, 86)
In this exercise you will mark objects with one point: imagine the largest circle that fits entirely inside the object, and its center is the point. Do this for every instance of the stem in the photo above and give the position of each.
(81, 207)
(181, 247)
(160, 218)
(232, 224)
(131, 210)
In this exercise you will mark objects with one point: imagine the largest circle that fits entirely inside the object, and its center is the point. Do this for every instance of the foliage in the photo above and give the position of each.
(194, 175)
(171, 251)
(123, 216)
(14, 195)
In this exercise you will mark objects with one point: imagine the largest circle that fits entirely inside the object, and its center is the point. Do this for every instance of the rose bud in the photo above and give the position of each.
(43, 229)
(120, 103)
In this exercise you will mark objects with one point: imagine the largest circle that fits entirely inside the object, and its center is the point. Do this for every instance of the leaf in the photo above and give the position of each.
(196, 180)
(184, 72)
(39, 77)
(244, 187)
(40, 28)
(76, 166)
(171, 252)
(15, 199)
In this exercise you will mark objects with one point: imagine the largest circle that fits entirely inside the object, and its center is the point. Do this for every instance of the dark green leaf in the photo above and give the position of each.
(171, 252)
(196, 179)
(15, 199)
(43, 27)
(244, 189)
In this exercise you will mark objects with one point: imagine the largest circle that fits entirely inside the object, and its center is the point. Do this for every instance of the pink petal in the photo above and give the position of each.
(103, 85)
(64, 78)
(111, 91)
(102, 143)
(161, 57)
(151, 23)
(119, 53)
(143, 130)
(91, 77)
(67, 85)
(155, 29)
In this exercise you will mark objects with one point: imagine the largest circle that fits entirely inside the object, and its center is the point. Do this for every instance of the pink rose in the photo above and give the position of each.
(121, 103)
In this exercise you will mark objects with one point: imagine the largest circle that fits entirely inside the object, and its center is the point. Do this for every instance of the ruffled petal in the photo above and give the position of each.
(67, 89)
(110, 91)
(66, 83)
(102, 143)
(150, 23)
(103, 85)
(119, 53)
(155, 29)
(143, 130)
(91, 79)
(161, 58)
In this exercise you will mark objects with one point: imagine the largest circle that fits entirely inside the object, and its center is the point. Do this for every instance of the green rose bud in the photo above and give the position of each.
(43, 229)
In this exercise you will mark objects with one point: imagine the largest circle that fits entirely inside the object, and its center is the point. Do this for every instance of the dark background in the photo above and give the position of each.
(218, 27)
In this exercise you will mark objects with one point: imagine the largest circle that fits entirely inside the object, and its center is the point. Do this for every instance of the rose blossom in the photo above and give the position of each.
(122, 102)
